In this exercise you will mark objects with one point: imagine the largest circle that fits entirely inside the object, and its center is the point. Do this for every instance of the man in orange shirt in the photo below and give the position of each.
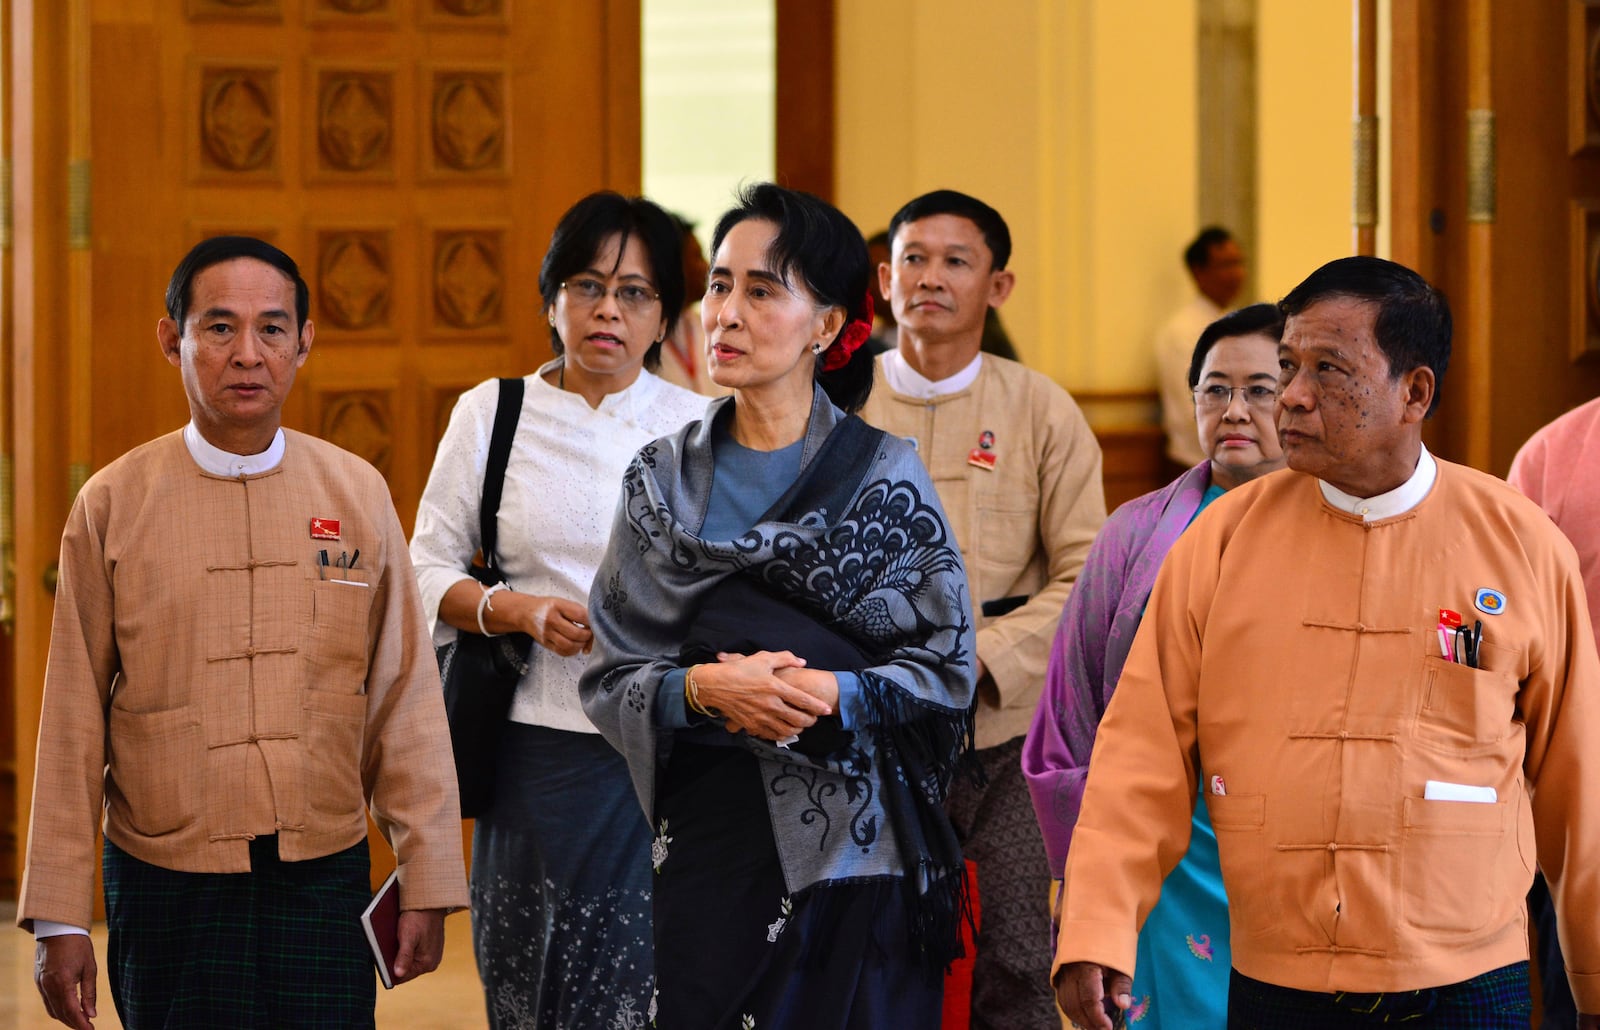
(1377, 669)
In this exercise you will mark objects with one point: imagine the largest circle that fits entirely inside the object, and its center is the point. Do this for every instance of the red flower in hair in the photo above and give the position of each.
(855, 334)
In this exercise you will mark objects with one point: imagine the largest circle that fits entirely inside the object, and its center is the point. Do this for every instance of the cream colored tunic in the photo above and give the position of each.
(209, 681)
(1024, 523)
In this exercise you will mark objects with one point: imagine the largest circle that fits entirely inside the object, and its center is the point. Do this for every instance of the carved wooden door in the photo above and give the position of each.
(411, 155)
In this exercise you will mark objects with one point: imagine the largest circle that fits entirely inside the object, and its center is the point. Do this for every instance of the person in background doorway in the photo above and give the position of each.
(683, 352)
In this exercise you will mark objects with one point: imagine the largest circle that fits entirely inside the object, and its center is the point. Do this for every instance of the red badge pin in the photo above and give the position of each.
(983, 456)
(324, 529)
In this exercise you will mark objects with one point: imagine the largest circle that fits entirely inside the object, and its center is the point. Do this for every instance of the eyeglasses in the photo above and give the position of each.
(1217, 397)
(589, 292)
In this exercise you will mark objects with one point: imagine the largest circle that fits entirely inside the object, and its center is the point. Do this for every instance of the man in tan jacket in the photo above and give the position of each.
(1378, 670)
(239, 668)
(1018, 472)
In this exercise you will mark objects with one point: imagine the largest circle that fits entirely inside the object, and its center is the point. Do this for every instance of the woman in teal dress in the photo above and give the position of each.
(1181, 970)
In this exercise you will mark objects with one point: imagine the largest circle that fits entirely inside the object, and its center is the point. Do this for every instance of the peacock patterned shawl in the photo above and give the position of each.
(860, 544)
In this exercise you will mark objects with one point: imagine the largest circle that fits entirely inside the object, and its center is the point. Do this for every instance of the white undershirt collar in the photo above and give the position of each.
(1387, 505)
(219, 462)
(902, 378)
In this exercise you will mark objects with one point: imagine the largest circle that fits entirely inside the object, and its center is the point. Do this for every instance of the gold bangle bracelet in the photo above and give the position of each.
(691, 693)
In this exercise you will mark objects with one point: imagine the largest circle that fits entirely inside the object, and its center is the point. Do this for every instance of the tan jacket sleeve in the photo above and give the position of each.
(1072, 506)
(407, 769)
(58, 883)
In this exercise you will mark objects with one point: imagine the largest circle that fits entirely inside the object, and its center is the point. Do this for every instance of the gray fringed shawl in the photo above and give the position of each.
(860, 544)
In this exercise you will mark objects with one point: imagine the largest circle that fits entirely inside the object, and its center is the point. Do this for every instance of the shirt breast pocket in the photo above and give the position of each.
(1005, 539)
(337, 645)
(1467, 711)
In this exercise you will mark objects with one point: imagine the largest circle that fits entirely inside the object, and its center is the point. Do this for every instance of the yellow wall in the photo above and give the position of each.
(1076, 119)
(1304, 176)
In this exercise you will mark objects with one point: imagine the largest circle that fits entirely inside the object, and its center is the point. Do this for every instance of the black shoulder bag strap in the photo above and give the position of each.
(506, 415)
(480, 673)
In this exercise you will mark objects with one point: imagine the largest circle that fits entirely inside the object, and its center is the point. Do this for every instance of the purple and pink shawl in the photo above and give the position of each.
(1097, 628)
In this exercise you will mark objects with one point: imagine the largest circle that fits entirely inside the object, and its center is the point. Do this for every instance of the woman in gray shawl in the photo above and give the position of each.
(783, 652)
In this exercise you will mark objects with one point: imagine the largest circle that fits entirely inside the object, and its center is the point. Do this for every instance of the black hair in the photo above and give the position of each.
(1257, 319)
(1413, 324)
(584, 230)
(879, 239)
(948, 202)
(215, 251)
(818, 245)
(1198, 253)
(995, 339)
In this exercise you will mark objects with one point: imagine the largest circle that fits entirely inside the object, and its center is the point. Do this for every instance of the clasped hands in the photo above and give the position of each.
(768, 694)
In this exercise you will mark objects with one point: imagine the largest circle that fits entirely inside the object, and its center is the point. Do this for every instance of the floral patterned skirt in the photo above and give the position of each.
(735, 950)
(561, 887)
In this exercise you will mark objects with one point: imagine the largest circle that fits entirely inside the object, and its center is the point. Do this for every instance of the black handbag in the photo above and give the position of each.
(481, 673)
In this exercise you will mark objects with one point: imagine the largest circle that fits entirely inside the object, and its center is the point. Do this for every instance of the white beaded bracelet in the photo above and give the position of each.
(484, 603)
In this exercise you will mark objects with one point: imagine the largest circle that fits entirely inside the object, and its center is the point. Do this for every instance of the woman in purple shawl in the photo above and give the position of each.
(1181, 973)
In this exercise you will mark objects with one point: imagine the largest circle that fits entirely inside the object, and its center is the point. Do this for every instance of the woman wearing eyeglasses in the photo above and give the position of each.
(1181, 971)
(561, 860)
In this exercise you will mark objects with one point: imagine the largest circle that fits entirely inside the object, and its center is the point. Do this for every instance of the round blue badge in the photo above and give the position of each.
(1489, 602)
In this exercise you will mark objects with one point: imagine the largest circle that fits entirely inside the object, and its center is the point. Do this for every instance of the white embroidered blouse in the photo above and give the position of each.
(563, 480)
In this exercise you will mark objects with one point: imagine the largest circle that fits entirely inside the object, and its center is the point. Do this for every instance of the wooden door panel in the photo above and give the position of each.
(411, 157)
(1536, 374)
(1520, 275)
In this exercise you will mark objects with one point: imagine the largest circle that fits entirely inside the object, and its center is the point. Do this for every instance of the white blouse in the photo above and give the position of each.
(563, 481)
